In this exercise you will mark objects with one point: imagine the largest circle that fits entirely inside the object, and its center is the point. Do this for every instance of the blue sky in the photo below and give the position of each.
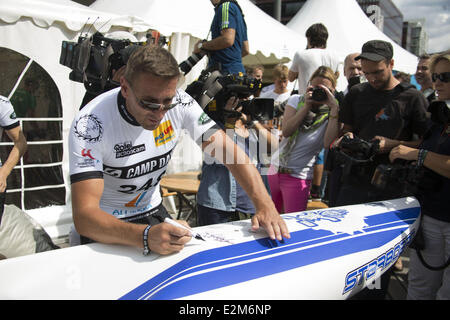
(437, 20)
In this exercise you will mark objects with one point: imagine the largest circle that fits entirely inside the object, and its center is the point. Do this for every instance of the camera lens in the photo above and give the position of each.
(190, 62)
(319, 94)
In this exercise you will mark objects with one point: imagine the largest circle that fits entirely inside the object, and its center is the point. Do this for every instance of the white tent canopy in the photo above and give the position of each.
(349, 28)
(194, 17)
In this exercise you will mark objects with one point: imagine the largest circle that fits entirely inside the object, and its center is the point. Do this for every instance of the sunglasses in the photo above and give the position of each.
(444, 77)
(153, 106)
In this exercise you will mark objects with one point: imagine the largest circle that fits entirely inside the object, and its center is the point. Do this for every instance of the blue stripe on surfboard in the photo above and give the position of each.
(233, 253)
(237, 259)
(275, 264)
(250, 250)
(404, 214)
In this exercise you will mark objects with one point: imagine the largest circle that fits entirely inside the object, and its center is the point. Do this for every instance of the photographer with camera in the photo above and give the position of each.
(429, 271)
(377, 116)
(220, 197)
(382, 111)
(306, 119)
(229, 42)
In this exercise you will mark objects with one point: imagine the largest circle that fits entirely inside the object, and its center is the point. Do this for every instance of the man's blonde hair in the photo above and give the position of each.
(153, 60)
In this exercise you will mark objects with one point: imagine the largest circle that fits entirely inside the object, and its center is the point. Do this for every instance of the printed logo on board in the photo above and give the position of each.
(313, 218)
(335, 220)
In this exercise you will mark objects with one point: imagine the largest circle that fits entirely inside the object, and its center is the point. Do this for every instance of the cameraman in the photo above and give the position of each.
(229, 38)
(433, 154)
(220, 197)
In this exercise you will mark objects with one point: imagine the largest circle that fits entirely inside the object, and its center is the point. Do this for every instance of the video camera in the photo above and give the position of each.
(354, 155)
(401, 175)
(212, 91)
(92, 60)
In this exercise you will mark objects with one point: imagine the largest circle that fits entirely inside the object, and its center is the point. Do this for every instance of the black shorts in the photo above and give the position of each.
(151, 217)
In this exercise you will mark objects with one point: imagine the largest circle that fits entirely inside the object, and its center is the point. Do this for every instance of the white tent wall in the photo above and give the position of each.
(349, 28)
(36, 29)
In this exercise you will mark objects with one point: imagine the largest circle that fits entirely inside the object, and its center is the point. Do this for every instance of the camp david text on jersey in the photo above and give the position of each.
(106, 142)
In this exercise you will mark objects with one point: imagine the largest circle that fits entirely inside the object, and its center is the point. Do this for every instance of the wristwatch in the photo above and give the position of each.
(200, 46)
(145, 239)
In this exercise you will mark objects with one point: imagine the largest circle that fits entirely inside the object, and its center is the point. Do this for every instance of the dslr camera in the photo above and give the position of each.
(318, 94)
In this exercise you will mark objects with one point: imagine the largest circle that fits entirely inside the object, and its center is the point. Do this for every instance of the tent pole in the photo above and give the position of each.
(277, 9)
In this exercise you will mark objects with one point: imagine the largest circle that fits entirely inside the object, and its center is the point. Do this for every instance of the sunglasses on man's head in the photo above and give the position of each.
(444, 77)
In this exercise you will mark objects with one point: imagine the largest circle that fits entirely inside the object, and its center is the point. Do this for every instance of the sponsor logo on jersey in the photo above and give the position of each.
(89, 128)
(164, 133)
(87, 159)
(87, 153)
(139, 169)
(204, 118)
(135, 202)
(13, 116)
(126, 149)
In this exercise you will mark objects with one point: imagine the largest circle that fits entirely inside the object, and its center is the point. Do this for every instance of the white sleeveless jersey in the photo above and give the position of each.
(8, 118)
(105, 141)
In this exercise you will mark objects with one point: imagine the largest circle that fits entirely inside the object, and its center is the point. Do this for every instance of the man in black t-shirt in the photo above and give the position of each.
(381, 109)
(384, 109)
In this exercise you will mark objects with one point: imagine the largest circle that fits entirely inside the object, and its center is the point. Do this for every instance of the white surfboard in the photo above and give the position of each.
(332, 254)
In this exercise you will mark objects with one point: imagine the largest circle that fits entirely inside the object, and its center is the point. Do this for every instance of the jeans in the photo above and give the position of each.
(425, 284)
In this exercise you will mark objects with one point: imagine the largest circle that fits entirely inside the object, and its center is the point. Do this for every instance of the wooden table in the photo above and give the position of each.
(184, 184)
